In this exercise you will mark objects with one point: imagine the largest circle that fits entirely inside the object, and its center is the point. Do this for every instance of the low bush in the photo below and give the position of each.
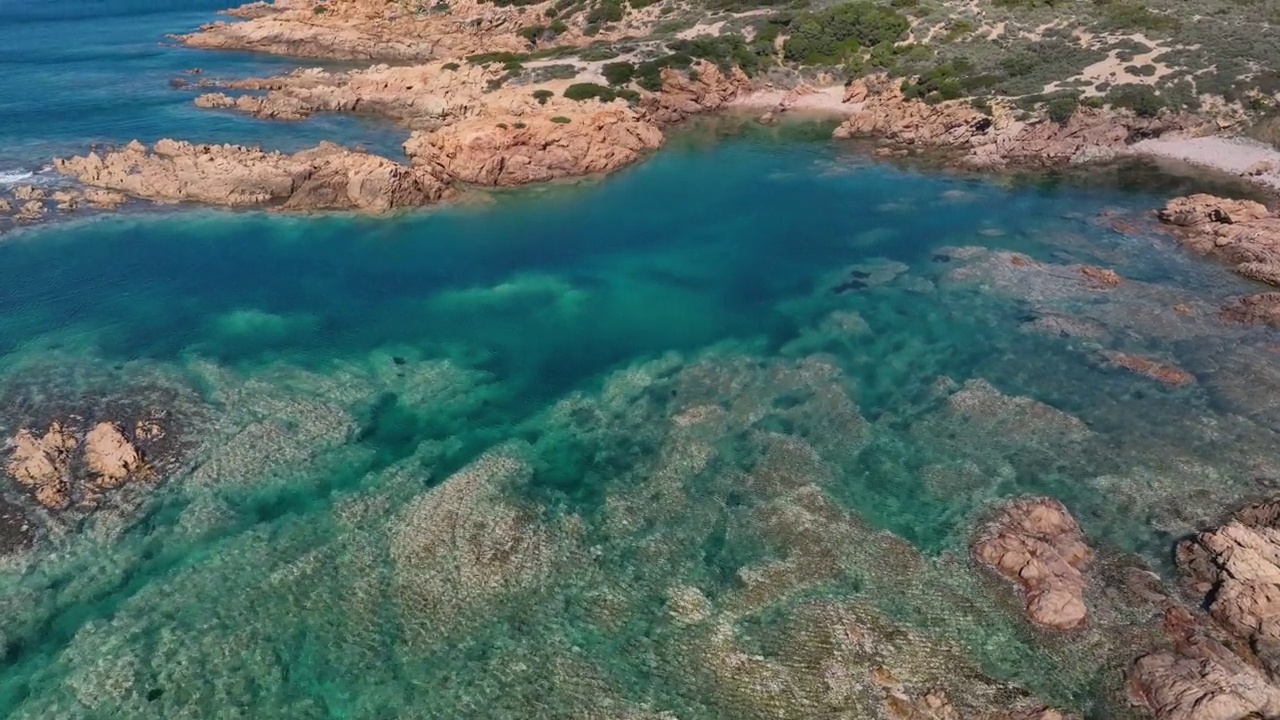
(1061, 109)
(560, 120)
(450, 66)
(1143, 100)
(542, 96)
(586, 91)
(618, 73)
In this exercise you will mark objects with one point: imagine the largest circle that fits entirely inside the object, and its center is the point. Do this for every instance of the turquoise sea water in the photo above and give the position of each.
(706, 439)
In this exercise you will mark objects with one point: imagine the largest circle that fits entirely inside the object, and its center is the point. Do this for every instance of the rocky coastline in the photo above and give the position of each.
(469, 124)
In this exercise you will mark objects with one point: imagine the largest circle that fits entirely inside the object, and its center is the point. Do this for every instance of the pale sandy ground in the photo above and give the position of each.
(826, 101)
(1239, 156)
(1112, 69)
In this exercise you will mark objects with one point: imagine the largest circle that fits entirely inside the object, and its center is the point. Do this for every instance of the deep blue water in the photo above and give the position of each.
(654, 354)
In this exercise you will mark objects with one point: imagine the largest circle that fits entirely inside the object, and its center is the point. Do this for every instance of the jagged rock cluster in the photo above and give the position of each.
(64, 465)
(991, 140)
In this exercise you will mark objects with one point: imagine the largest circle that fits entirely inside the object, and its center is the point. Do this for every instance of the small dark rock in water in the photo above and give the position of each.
(154, 694)
(941, 258)
(398, 360)
(859, 274)
(848, 285)
(15, 529)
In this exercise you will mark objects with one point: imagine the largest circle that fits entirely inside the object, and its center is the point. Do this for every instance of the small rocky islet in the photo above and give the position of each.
(676, 539)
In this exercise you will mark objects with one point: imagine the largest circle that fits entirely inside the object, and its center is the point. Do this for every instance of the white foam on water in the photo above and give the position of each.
(13, 177)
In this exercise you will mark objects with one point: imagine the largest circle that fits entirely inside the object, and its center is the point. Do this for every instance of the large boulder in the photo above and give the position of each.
(1036, 544)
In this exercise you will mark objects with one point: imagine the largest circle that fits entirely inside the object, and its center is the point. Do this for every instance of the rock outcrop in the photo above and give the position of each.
(1235, 570)
(708, 89)
(517, 151)
(419, 96)
(110, 455)
(993, 140)
(66, 465)
(1038, 545)
(1241, 233)
(41, 462)
(324, 177)
(1200, 678)
(1262, 308)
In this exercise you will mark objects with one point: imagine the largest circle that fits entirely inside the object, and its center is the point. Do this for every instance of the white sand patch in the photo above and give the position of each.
(825, 100)
(714, 29)
(1239, 156)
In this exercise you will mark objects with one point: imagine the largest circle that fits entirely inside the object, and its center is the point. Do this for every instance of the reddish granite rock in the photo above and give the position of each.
(324, 177)
(1263, 309)
(1235, 568)
(1166, 373)
(1038, 545)
(1100, 277)
(992, 140)
(535, 149)
(1241, 233)
(1200, 678)
(681, 96)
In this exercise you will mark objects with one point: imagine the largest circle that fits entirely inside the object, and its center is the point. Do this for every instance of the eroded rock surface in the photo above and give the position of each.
(520, 151)
(1235, 568)
(1241, 233)
(324, 177)
(64, 464)
(991, 140)
(1200, 678)
(1038, 545)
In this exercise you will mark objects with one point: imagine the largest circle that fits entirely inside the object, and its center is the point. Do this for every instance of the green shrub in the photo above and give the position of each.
(320, 9)
(598, 52)
(649, 73)
(606, 12)
(496, 57)
(560, 120)
(586, 91)
(618, 73)
(532, 33)
(1133, 16)
(639, 4)
(629, 95)
(726, 51)
(1143, 100)
(513, 66)
(542, 96)
(502, 126)
(558, 27)
(828, 36)
(1061, 109)
(450, 66)
(519, 125)
(948, 81)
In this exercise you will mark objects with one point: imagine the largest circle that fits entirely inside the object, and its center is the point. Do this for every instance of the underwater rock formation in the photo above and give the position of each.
(1241, 233)
(1038, 545)
(1261, 308)
(1163, 372)
(324, 177)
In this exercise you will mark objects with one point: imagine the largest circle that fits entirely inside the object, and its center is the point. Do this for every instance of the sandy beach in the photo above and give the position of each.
(1239, 156)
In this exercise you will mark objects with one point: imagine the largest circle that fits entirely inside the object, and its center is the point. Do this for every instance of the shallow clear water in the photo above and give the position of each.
(606, 450)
